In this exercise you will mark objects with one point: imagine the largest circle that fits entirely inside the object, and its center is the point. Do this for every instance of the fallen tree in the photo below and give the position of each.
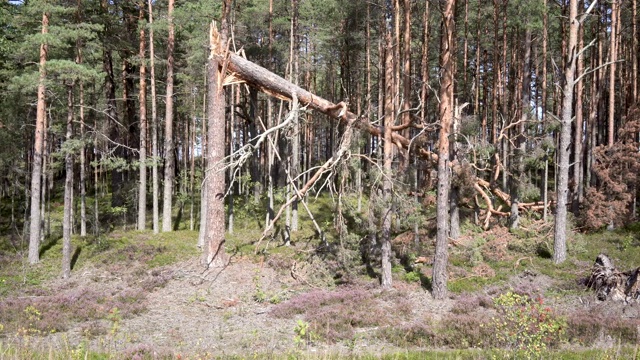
(237, 69)
(611, 284)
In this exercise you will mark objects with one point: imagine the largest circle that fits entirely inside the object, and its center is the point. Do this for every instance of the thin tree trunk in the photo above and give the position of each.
(445, 111)
(192, 165)
(424, 63)
(83, 155)
(96, 188)
(387, 185)
(295, 141)
(496, 81)
(454, 197)
(169, 170)
(36, 170)
(142, 96)
(68, 190)
(560, 230)
(406, 67)
(545, 179)
(517, 168)
(613, 56)
(231, 148)
(482, 113)
(634, 49)
(154, 127)
(577, 162)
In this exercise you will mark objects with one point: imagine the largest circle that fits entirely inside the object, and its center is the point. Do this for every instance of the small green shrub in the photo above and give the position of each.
(412, 276)
(526, 324)
(303, 334)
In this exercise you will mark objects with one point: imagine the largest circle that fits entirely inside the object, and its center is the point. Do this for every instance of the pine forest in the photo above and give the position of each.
(319, 179)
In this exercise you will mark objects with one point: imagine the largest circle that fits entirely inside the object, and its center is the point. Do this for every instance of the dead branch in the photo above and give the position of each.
(340, 155)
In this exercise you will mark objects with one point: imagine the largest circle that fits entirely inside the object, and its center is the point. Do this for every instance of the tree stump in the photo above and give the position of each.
(611, 284)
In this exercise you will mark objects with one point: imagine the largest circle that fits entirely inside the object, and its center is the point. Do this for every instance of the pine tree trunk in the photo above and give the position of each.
(406, 67)
(454, 196)
(634, 49)
(517, 165)
(142, 97)
(295, 140)
(68, 191)
(387, 185)
(613, 57)
(545, 178)
(481, 84)
(216, 103)
(424, 64)
(445, 111)
(577, 150)
(233, 101)
(96, 188)
(560, 230)
(169, 166)
(36, 169)
(496, 81)
(154, 127)
(83, 155)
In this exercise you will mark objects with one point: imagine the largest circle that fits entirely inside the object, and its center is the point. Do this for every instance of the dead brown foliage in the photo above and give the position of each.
(617, 170)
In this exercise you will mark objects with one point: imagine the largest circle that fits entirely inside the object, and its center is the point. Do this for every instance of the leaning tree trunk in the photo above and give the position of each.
(168, 130)
(444, 181)
(560, 230)
(36, 170)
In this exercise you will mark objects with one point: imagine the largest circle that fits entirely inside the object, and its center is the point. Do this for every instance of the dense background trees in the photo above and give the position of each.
(514, 99)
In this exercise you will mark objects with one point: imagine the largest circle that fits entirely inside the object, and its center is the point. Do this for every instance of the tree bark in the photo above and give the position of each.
(406, 67)
(613, 56)
(154, 127)
(424, 64)
(560, 229)
(169, 170)
(216, 103)
(387, 185)
(517, 168)
(577, 150)
(274, 85)
(545, 178)
(68, 190)
(295, 140)
(83, 155)
(36, 169)
(445, 111)
(142, 97)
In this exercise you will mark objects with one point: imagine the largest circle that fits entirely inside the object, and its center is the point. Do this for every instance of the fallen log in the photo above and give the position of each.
(611, 284)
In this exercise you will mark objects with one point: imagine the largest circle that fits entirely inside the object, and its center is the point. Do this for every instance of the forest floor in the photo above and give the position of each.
(136, 295)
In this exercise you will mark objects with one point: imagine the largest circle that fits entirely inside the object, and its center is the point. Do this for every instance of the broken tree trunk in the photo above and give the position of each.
(237, 69)
(243, 70)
